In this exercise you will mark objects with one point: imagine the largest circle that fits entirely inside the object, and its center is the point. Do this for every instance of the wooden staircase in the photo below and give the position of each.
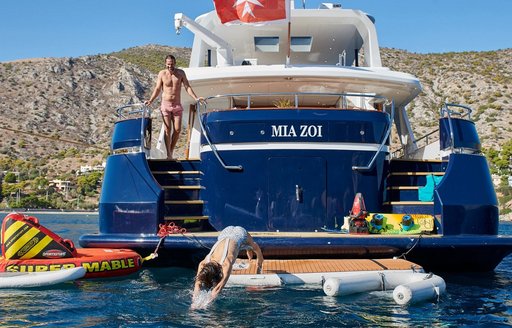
(181, 181)
(404, 179)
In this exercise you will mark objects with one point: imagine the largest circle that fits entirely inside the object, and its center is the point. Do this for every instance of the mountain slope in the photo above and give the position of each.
(480, 80)
(74, 98)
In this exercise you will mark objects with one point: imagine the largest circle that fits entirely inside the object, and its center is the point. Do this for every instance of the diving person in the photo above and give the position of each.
(214, 271)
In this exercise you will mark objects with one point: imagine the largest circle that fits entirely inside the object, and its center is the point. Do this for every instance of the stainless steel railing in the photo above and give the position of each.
(337, 101)
(143, 110)
(383, 142)
(212, 146)
(429, 137)
(294, 100)
(445, 110)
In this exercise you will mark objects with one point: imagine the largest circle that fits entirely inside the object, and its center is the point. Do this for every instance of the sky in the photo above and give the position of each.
(72, 28)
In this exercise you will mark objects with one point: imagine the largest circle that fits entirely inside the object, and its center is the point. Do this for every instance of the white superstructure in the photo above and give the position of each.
(332, 50)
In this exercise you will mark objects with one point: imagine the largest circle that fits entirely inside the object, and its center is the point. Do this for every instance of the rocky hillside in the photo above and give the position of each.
(51, 104)
(481, 80)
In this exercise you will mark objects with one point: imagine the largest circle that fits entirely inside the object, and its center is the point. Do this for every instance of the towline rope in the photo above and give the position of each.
(164, 230)
(417, 241)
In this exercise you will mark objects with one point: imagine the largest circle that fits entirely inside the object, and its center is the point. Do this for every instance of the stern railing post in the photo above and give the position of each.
(212, 146)
(381, 146)
(145, 112)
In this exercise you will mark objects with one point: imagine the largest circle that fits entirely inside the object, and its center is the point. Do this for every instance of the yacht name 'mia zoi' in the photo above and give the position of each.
(294, 143)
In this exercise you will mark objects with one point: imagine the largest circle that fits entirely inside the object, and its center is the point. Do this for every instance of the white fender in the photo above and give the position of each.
(409, 287)
(267, 280)
(348, 285)
(419, 291)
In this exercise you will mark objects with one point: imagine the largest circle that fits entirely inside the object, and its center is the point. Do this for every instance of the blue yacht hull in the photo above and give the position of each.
(475, 253)
(293, 191)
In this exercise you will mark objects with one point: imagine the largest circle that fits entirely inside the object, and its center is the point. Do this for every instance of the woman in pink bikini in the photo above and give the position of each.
(169, 82)
(214, 271)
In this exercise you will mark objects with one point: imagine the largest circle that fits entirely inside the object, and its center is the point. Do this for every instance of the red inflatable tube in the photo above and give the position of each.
(99, 263)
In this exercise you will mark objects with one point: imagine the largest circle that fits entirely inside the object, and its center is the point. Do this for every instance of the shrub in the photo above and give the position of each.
(10, 177)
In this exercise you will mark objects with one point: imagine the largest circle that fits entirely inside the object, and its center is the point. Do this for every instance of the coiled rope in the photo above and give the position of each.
(164, 230)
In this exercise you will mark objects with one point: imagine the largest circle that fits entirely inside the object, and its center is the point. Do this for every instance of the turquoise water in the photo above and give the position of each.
(160, 297)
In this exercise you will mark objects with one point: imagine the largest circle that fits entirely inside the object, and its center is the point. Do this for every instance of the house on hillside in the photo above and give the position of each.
(89, 168)
(60, 185)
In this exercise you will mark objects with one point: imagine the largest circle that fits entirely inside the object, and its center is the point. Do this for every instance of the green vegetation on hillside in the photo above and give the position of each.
(500, 162)
(151, 58)
(27, 184)
(500, 159)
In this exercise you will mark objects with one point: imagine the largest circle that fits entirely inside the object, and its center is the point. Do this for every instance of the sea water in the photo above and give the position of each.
(161, 297)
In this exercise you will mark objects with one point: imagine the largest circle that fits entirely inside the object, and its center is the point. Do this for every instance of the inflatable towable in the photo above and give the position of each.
(39, 279)
(27, 246)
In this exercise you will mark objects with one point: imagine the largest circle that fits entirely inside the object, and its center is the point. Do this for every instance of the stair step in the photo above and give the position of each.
(182, 192)
(404, 165)
(418, 160)
(186, 217)
(409, 179)
(174, 165)
(178, 172)
(403, 188)
(394, 203)
(416, 173)
(186, 210)
(172, 180)
(181, 187)
(409, 207)
(184, 202)
(402, 193)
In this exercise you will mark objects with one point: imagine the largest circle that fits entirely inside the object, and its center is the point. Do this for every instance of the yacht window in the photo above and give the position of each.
(301, 43)
(266, 43)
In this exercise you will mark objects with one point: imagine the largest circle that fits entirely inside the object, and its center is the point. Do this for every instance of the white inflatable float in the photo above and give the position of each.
(39, 279)
(409, 285)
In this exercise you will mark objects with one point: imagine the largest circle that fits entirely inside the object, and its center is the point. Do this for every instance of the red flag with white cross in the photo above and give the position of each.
(252, 11)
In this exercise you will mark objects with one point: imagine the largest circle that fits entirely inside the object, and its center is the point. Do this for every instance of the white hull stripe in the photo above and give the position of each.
(295, 146)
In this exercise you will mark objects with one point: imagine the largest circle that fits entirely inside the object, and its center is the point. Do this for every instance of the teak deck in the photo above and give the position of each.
(324, 265)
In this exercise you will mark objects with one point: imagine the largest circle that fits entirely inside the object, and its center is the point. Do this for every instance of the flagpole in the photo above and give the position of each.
(289, 32)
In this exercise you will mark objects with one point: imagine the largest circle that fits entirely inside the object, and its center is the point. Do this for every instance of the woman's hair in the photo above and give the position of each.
(210, 275)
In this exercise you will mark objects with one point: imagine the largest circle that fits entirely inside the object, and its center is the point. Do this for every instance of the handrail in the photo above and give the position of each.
(146, 112)
(416, 142)
(468, 110)
(383, 142)
(446, 109)
(120, 110)
(212, 146)
(427, 135)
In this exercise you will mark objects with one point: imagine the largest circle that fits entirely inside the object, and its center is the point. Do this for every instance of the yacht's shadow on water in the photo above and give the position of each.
(479, 298)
